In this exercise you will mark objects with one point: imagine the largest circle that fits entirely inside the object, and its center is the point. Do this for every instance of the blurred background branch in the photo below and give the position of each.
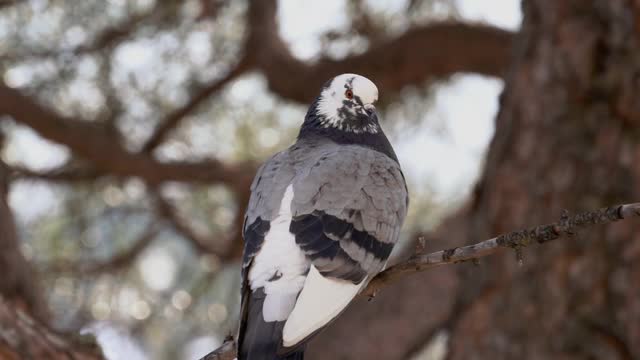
(115, 263)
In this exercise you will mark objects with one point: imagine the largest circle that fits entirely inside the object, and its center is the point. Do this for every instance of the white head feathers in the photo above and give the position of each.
(347, 102)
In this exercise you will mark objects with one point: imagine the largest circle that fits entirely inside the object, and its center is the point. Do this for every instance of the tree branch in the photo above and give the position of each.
(89, 141)
(174, 118)
(227, 351)
(7, 3)
(516, 240)
(421, 53)
(64, 173)
(199, 242)
(116, 34)
(24, 337)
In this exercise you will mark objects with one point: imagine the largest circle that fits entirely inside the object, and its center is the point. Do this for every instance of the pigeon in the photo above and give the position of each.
(322, 219)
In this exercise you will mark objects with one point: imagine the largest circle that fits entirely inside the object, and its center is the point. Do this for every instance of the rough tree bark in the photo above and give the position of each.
(567, 137)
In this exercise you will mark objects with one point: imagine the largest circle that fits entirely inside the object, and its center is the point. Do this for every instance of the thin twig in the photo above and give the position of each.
(227, 351)
(513, 240)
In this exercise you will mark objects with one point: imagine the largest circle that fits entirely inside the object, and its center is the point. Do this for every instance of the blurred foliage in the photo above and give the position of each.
(128, 63)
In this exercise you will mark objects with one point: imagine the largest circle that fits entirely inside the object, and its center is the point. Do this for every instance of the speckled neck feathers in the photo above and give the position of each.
(314, 127)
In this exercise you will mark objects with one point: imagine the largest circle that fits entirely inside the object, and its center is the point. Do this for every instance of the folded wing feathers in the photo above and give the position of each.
(347, 208)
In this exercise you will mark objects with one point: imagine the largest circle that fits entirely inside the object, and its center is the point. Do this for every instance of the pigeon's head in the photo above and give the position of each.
(346, 103)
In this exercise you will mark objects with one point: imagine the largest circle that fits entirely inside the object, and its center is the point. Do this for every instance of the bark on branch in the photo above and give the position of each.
(516, 240)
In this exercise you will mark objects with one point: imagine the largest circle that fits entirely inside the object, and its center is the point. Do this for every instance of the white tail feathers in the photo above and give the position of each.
(321, 300)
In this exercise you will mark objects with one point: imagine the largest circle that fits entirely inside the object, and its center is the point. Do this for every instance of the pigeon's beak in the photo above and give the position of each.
(371, 112)
(370, 109)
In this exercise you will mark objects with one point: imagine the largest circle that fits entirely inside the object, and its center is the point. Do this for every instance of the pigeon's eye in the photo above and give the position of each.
(348, 94)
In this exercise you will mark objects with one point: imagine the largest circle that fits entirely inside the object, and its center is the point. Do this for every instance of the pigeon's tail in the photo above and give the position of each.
(261, 340)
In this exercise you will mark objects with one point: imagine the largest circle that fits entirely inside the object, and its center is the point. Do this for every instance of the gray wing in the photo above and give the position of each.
(267, 190)
(348, 207)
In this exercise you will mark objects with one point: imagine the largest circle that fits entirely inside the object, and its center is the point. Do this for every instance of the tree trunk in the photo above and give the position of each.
(567, 137)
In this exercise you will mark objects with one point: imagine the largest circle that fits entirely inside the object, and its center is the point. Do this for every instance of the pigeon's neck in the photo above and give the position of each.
(312, 129)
